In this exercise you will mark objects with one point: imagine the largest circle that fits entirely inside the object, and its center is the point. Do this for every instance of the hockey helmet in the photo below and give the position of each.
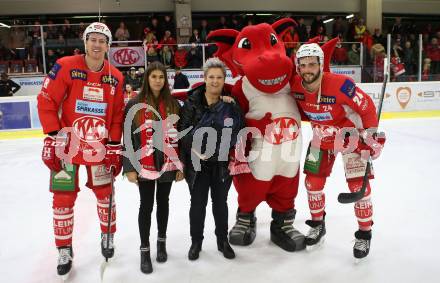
(97, 27)
(307, 50)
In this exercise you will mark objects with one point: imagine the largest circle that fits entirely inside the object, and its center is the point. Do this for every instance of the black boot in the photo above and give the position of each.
(146, 266)
(362, 243)
(224, 247)
(245, 229)
(162, 255)
(194, 250)
(65, 257)
(282, 232)
(107, 251)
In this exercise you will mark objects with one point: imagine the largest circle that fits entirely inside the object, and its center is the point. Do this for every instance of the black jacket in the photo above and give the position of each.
(135, 138)
(194, 112)
(8, 87)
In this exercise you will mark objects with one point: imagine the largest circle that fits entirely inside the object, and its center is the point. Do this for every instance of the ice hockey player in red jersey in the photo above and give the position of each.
(335, 106)
(81, 109)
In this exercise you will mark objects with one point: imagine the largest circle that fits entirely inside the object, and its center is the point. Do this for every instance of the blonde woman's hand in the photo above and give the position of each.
(227, 99)
(132, 177)
(179, 176)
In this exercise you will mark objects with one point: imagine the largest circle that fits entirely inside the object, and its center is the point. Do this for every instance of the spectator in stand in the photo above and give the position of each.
(76, 51)
(316, 24)
(433, 53)
(338, 28)
(51, 58)
(149, 36)
(152, 55)
(7, 86)
(169, 41)
(140, 73)
(397, 27)
(168, 24)
(204, 30)
(303, 35)
(156, 28)
(223, 23)
(340, 56)
(359, 30)
(289, 41)
(236, 23)
(321, 34)
(378, 37)
(52, 30)
(67, 30)
(195, 38)
(354, 57)
(129, 93)
(180, 79)
(17, 42)
(378, 57)
(397, 50)
(409, 58)
(122, 34)
(194, 57)
(166, 56)
(180, 57)
(132, 79)
(426, 72)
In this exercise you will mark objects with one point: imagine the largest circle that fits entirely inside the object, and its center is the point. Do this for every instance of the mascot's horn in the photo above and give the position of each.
(283, 25)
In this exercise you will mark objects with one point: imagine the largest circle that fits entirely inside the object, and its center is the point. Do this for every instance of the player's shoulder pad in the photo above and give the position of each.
(62, 64)
(345, 84)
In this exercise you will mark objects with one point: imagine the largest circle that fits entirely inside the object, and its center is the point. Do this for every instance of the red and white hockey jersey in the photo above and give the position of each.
(91, 103)
(342, 105)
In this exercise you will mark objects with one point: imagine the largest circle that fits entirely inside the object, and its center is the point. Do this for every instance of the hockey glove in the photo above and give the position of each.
(371, 142)
(113, 158)
(48, 154)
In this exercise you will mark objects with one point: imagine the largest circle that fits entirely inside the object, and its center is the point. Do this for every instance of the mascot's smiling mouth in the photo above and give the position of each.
(273, 81)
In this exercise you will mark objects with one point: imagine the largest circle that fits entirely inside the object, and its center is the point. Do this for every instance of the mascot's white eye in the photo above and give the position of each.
(273, 39)
(244, 43)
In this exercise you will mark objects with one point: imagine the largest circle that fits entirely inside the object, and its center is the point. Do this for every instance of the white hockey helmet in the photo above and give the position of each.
(307, 50)
(97, 27)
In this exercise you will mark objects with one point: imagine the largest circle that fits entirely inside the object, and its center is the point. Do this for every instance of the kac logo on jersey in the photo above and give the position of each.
(76, 74)
(326, 116)
(91, 108)
(89, 128)
(54, 71)
(282, 130)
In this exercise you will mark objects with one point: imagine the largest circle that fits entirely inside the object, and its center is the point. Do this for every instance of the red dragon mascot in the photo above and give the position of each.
(266, 167)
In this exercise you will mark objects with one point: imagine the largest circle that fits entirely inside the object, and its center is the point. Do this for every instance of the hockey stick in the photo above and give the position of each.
(356, 196)
(109, 221)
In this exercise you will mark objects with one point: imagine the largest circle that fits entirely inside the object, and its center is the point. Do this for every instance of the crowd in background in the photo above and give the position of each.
(158, 37)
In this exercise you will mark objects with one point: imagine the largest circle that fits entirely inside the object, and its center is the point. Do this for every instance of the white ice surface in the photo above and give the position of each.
(405, 245)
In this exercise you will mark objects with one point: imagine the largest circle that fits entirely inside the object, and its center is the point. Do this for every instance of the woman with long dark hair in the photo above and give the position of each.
(153, 158)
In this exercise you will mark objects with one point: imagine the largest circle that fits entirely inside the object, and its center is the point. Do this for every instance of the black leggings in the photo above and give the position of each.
(146, 191)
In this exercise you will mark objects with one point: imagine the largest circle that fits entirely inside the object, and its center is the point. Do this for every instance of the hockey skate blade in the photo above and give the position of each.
(65, 277)
(358, 261)
(102, 269)
(316, 246)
